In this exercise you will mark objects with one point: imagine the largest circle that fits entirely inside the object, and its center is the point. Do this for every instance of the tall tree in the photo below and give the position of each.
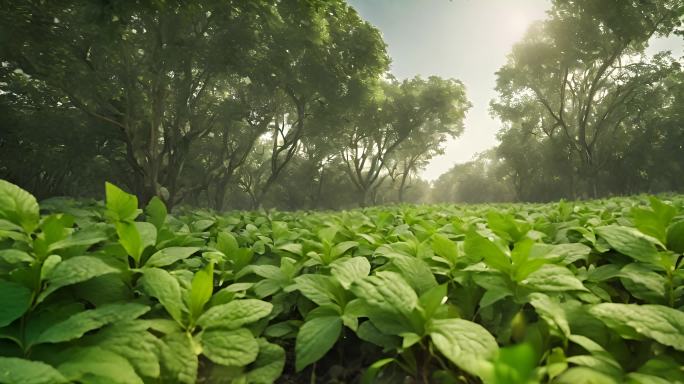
(412, 112)
(580, 69)
(150, 71)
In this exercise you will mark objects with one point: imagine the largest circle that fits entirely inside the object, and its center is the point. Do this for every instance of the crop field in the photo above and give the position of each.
(568, 292)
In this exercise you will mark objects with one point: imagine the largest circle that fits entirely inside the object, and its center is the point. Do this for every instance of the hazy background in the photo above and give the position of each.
(463, 39)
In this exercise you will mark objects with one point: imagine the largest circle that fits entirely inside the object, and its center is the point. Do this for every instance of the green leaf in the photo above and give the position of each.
(315, 338)
(643, 283)
(662, 324)
(18, 206)
(348, 271)
(14, 256)
(553, 278)
(201, 290)
(161, 285)
(178, 359)
(226, 243)
(374, 369)
(130, 239)
(75, 270)
(515, 365)
(268, 365)
(341, 248)
(432, 299)
(583, 375)
(130, 340)
(478, 247)
(168, 256)
(370, 333)
(235, 314)
(155, 212)
(444, 247)
(630, 242)
(415, 271)
(19, 371)
(93, 361)
(675, 237)
(15, 300)
(552, 312)
(121, 206)
(464, 343)
(78, 324)
(318, 288)
(229, 347)
(386, 290)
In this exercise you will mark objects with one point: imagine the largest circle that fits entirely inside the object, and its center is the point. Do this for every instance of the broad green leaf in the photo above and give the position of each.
(464, 343)
(318, 288)
(19, 371)
(643, 283)
(121, 206)
(583, 375)
(341, 248)
(268, 365)
(14, 256)
(226, 243)
(662, 324)
(444, 247)
(168, 256)
(201, 290)
(415, 271)
(350, 270)
(229, 347)
(18, 206)
(81, 238)
(178, 360)
(130, 239)
(75, 270)
(155, 212)
(48, 265)
(161, 285)
(553, 278)
(235, 314)
(78, 324)
(630, 242)
(479, 248)
(94, 361)
(388, 291)
(15, 300)
(675, 237)
(432, 299)
(370, 333)
(130, 340)
(374, 369)
(552, 312)
(514, 365)
(315, 338)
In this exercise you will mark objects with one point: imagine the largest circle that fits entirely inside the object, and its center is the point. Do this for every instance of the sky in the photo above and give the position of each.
(462, 39)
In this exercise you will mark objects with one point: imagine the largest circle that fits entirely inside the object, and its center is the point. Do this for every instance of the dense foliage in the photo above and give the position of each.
(566, 293)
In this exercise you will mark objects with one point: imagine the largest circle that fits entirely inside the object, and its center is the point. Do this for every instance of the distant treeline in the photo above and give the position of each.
(288, 104)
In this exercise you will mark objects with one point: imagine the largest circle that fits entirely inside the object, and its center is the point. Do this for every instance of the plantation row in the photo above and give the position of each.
(586, 292)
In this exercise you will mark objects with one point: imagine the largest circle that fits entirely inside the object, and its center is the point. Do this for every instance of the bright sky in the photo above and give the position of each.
(463, 39)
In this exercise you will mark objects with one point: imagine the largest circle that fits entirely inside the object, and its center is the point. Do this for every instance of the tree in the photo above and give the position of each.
(416, 113)
(324, 55)
(153, 72)
(580, 70)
